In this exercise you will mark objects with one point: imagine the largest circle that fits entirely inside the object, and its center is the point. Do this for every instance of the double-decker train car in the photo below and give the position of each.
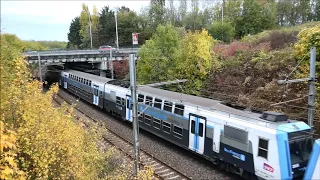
(253, 145)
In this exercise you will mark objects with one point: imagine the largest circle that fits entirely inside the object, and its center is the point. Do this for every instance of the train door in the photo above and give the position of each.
(216, 137)
(196, 133)
(95, 94)
(65, 83)
(128, 108)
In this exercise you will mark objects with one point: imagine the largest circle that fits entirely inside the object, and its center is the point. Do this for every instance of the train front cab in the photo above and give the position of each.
(294, 142)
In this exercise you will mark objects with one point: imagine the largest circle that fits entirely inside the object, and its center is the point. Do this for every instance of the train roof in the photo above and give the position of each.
(209, 104)
(93, 78)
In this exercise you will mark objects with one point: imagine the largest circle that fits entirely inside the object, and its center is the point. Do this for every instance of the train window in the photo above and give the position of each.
(201, 129)
(167, 106)
(100, 93)
(147, 119)
(129, 106)
(148, 100)
(156, 123)
(263, 148)
(193, 127)
(179, 109)
(89, 83)
(123, 101)
(166, 127)
(140, 118)
(157, 103)
(177, 131)
(236, 134)
(95, 92)
(118, 100)
(140, 98)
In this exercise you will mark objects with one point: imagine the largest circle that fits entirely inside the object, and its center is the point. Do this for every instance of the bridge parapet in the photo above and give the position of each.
(78, 52)
(90, 56)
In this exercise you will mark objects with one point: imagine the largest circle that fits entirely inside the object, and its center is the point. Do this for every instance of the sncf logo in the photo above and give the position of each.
(268, 167)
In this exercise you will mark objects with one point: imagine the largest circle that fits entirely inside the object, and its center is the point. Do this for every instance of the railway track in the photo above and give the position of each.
(161, 169)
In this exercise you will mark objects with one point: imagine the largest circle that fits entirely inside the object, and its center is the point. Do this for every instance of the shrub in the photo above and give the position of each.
(121, 68)
(221, 31)
(224, 51)
(8, 155)
(51, 144)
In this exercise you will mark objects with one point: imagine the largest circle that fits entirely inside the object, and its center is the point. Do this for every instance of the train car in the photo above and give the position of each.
(253, 145)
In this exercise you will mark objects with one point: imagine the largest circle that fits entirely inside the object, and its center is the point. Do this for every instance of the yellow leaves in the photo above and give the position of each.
(195, 59)
(51, 144)
(5, 172)
(8, 165)
(309, 37)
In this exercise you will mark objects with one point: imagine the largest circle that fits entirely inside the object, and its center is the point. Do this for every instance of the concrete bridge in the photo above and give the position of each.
(91, 56)
(79, 59)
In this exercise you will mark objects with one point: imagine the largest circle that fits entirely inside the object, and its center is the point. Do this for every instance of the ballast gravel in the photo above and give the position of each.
(180, 159)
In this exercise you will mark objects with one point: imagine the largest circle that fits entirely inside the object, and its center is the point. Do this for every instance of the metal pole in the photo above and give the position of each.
(111, 64)
(90, 30)
(312, 80)
(134, 113)
(40, 74)
(116, 19)
(222, 10)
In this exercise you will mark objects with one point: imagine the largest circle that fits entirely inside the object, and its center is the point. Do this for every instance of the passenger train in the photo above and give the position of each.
(253, 145)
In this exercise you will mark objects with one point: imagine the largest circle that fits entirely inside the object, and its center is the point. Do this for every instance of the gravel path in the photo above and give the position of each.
(183, 160)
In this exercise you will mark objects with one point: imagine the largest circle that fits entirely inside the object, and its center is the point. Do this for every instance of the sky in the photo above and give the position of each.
(50, 20)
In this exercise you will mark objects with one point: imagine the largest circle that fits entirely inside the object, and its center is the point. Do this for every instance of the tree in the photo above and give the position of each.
(256, 16)
(85, 27)
(24, 46)
(74, 33)
(183, 11)
(157, 55)
(172, 15)
(51, 144)
(156, 13)
(293, 12)
(95, 27)
(127, 24)
(146, 30)
(221, 31)
(194, 60)
(107, 27)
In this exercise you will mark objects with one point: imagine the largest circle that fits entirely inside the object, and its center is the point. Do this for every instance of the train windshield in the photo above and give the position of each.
(300, 149)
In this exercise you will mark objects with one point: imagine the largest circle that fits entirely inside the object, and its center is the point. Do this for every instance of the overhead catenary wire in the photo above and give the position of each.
(258, 89)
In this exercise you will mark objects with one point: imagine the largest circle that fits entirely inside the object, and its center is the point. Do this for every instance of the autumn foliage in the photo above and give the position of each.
(172, 54)
(39, 141)
(251, 67)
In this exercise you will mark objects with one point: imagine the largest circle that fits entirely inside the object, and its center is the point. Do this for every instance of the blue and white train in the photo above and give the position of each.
(253, 145)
